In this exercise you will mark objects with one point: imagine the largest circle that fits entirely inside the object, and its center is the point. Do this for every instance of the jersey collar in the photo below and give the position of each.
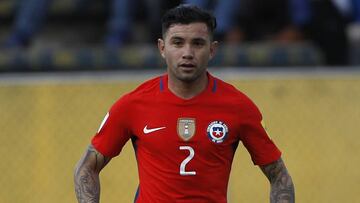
(211, 88)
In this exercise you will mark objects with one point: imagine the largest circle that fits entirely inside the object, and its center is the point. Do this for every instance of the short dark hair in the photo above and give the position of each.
(186, 14)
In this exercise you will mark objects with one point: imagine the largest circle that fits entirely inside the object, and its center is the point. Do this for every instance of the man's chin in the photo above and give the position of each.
(188, 76)
(185, 74)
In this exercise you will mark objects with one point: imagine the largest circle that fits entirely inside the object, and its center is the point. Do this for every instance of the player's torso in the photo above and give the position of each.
(184, 149)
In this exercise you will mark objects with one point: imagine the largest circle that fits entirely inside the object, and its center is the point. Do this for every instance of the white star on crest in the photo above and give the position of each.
(217, 132)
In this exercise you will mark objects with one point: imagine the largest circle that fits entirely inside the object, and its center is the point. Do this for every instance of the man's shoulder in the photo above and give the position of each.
(145, 89)
(152, 85)
(227, 88)
(232, 94)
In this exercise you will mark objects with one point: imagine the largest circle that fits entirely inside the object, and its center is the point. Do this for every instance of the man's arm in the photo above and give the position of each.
(282, 187)
(86, 177)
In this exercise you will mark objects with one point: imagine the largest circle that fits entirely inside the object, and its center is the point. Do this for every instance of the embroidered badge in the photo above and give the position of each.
(217, 131)
(186, 128)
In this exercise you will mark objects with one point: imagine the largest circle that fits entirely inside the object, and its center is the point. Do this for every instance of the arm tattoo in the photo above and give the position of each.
(282, 187)
(87, 187)
(86, 178)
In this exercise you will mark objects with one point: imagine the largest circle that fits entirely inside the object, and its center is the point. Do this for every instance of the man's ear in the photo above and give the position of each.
(161, 46)
(213, 48)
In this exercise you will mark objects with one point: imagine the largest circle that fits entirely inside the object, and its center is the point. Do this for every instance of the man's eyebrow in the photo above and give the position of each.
(176, 38)
(199, 39)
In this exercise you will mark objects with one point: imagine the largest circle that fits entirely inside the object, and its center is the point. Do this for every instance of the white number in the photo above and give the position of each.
(183, 163)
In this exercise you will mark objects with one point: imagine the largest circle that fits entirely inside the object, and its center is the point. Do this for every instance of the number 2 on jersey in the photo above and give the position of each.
(183, 172)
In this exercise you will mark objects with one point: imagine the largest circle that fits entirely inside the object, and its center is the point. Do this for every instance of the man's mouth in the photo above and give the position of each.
(187, 65)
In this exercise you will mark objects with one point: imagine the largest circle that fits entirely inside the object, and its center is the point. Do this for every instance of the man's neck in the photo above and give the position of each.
(187, 90)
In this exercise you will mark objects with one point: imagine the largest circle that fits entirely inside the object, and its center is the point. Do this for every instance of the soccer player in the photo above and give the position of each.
(184, 125)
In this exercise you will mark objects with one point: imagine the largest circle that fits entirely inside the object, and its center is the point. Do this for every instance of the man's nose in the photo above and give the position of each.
(188, 52)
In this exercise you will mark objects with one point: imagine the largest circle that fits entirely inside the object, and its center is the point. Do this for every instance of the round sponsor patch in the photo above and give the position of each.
(217, 131)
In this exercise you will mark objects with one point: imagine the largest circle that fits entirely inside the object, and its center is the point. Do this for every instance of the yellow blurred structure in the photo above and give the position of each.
(45, 128)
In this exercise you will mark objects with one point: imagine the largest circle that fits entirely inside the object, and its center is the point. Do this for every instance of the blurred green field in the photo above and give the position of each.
(46, 127)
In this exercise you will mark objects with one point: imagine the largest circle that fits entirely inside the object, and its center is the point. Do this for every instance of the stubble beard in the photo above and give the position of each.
(188, 77)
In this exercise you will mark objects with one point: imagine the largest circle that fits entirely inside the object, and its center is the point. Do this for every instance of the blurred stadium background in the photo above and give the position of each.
(55, 92)
(48, 120)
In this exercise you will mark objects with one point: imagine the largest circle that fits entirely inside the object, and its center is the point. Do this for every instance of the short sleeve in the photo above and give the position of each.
(255, 138)
(114, 131)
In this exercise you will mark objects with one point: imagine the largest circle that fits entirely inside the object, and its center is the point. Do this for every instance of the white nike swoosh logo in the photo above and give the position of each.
(147, 131)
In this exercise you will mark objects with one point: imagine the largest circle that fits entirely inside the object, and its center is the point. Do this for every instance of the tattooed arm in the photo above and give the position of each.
(86, 177)
(282, 187)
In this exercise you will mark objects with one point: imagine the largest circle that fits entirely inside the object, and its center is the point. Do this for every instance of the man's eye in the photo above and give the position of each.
(198, 43)
(177, 43)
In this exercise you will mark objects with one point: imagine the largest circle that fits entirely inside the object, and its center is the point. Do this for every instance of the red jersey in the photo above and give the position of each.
(185, 147)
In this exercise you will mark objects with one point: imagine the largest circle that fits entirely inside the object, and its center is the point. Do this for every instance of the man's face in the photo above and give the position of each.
(187, 48)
